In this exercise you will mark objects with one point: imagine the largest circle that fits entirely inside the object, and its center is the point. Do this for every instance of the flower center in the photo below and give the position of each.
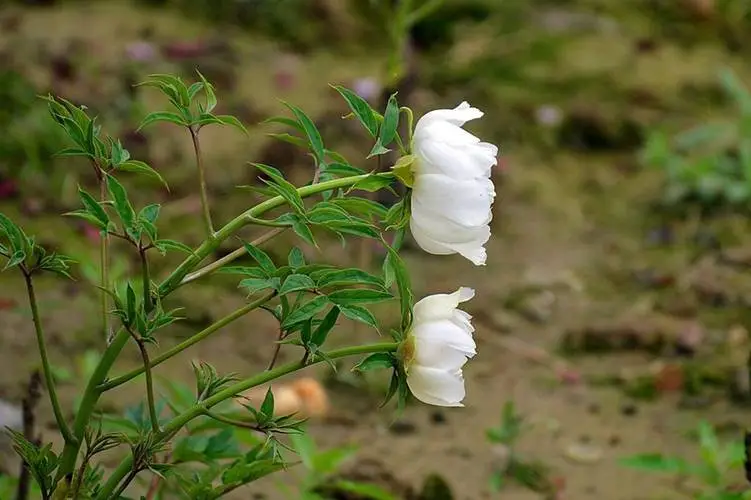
(407, 351)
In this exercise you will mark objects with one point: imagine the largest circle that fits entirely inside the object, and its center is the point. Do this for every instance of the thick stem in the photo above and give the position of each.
(202, 183)
(210, 268)
(46, 368)
(194, 339)
(93, 391)
(200, 409)
(104, 245)
(125, 484)
(149, 385)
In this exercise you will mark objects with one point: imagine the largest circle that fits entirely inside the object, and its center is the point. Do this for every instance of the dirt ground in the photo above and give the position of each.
(571, 245)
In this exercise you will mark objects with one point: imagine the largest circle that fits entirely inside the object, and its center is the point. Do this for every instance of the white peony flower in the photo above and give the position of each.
(451, 191)
(437, 347)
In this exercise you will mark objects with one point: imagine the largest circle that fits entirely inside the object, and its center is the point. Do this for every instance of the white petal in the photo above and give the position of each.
(466, 202)
(472, 248)
(458, 116)
(441, 305)
(432, 338)
(436, 387)
(449, 150)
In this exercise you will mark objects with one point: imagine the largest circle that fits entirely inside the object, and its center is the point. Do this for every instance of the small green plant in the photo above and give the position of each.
(321, 479)
(715, 476)
(510, 466)
(708, 165)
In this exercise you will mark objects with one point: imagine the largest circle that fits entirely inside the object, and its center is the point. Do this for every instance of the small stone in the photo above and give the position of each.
(438, 417)
(583, 453)
(629, 409)
(402, 428)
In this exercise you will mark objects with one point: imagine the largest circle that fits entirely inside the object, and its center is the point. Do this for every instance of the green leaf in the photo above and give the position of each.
(396, 266)
(373, 183)
(285, 121)
(299, 226)
(283, 187)
(255, 284)
(289, 138)
(376, 361)
(314, 137)
(162, 116)
(343, 170)
(267, 407)
(361, 206)
(253, 272)
(208, 89)
(390, 121)
(296, 258)
(296, 283)
(305, 311)
(352, 276)
(358, 296)
(19, 242)
(324, 328)
(378, 149)
(122, 204)
(360, 108)
(359, 313)
(149, 213)
(261, 257)
(656, 462)
(232, 121)
(140, 167)
(93, 208)
(165, 245)
(363, 490)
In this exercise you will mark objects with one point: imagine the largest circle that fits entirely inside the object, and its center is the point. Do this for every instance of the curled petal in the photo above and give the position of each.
(457, 116)
(441, 305)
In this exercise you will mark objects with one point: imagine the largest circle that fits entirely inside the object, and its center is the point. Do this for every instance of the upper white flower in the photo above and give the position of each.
(437, 347)
(452, 192)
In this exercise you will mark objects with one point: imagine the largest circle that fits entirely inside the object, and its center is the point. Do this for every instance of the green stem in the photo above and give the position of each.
(149, 384)
(236, 254)
(104, 246)
(202, 183)
(42, 345)
(194, 339)
(200, 409)
(209, 246)
(146, 278)
(93, 391)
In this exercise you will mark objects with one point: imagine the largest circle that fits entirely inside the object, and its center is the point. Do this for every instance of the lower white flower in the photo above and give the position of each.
(437, 347)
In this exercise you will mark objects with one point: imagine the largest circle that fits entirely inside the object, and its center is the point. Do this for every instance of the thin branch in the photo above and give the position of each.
(30, 402)
(236, 254)
(104, 245)
(202, 183)
(277, 348)
(46, 368)
(146, 278)
(198, 337)
(149, 381)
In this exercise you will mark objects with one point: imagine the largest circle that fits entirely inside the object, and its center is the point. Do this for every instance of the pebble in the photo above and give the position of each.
(438, 417)
(402, 428)
(583, 453)
(629, 409)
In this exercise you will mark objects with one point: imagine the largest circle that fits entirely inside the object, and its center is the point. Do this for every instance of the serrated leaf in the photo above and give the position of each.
(358, 296)
(267, 407)
(296, 283)
(261, 257)
(314, 137)
(232, 121)
(150, 212)
(359, 313)
(143, 168)
(378, 149)
(283, 120)
(299, 226)
(289, 138)
(305, 311)
(208, 89)
(343, 170)
(373, 183)
(360, 108)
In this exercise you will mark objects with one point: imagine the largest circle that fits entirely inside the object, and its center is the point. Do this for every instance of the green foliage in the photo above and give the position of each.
(532, 475)
(204, 432)
(716, 472)
(709, 165)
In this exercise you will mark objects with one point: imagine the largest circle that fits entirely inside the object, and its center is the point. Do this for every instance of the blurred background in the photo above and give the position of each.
(612, 315)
